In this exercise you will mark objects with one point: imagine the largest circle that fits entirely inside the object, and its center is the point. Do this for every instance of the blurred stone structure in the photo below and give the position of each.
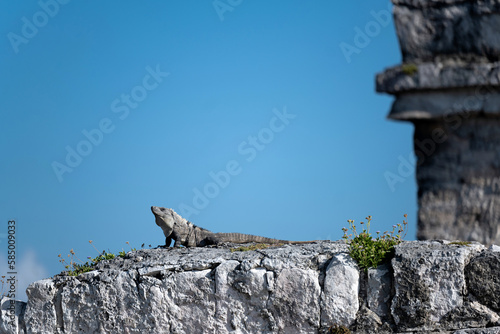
(448, 86)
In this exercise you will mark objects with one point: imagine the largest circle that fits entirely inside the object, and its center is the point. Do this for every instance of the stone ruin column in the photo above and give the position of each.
(448, 86)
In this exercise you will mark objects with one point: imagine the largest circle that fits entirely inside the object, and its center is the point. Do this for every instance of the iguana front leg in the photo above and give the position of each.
(168, 241)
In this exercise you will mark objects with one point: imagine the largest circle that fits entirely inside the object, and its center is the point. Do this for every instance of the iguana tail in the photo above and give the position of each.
(240, 238)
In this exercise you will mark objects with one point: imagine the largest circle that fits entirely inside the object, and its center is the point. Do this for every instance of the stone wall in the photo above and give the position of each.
(449, 87)
(429, 286)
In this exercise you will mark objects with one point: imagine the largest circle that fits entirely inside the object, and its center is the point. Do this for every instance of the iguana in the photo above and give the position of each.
(187, 234)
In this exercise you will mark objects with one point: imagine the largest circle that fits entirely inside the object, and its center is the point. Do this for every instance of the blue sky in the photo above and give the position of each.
(245, 116)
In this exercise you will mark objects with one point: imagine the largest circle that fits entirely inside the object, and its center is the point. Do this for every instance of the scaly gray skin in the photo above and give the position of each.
(187, 234)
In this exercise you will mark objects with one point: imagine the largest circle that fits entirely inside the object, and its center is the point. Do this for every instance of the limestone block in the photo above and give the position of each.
(429, 29)
(12, 316)
(101, 302)
(296, 301)
(241, 299)
(42, 315)
(459, 179)
(470, 315)
(483, 279)
(339, 299)
(379, 290)
(429, 283)
(442, 75)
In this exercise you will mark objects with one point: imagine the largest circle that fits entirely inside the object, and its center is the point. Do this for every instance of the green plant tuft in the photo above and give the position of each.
(336, 329)
(460, 243)
(88, 266)
(368, 251)
(409, 69)
(76, 266)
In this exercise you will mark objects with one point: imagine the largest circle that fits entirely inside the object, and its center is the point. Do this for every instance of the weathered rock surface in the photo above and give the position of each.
(459, 178)
(449, 87)
(340, 300)
(441, 75)
(379, 290)
(428, 29)
(431, 286)
(485, 265)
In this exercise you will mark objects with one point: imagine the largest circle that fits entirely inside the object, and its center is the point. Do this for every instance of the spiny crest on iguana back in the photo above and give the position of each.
(187, 234)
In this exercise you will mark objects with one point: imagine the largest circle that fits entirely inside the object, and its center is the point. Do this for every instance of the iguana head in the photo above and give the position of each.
(165, 218)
